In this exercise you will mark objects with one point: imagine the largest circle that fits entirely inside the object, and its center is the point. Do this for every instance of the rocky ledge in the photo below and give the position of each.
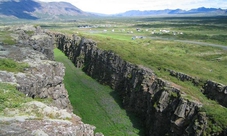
(41, 79)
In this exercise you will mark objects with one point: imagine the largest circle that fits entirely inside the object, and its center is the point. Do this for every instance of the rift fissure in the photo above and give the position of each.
(157, 102)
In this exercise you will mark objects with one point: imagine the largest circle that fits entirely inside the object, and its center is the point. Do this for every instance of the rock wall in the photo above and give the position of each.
(35, 37)
(185, 77)
(216, 91)
(212, 90)
(158, 103)
(43, 78)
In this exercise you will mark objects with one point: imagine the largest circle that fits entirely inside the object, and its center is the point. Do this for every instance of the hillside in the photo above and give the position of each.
(32, 10)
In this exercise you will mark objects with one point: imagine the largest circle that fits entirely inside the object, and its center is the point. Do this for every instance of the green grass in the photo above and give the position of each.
(97, 104)
(10, 97)
(6, 38)
(30, 33)
(11, 65)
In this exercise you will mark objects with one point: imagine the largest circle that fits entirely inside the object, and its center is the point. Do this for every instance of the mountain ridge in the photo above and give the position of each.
(195, 11)
(33, 9)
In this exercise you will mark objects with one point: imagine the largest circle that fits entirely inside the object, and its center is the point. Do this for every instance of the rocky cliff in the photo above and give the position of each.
(41, 79)
(215, 91)
(163, 108)
(211, 89)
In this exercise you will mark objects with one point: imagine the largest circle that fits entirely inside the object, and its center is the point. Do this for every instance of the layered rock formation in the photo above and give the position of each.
(185, 77)
(213, 90)
(34, 37)
(43, 78)
(216, 91)
(160, 104)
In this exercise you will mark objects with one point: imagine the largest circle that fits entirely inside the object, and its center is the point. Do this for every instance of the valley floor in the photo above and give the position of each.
(97, 104)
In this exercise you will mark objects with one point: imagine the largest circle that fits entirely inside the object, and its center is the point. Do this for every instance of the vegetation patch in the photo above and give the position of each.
(11, 65)
(6, 38)
(10, 97)
(30, 33)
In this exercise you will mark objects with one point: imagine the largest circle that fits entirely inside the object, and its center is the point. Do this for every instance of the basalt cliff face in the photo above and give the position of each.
(212, 90)
(42, 79)
(159, 103)
(216, 91)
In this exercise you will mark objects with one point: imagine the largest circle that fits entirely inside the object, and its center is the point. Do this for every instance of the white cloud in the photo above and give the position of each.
(117, 6)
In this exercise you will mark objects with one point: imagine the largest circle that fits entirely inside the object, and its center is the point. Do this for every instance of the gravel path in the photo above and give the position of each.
(192, 42)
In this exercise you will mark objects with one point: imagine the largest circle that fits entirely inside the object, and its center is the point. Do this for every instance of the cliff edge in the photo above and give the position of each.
(41, 107)
(160, 104)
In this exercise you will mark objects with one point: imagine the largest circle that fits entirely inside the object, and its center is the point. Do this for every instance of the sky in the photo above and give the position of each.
(120, 6)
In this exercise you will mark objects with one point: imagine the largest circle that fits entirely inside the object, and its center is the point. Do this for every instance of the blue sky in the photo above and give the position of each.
(118, 6)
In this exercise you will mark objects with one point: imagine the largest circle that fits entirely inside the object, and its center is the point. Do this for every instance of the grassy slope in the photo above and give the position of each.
(6, 38)
(95, 103)
(12, 66)
(195, 60)
(10, 97)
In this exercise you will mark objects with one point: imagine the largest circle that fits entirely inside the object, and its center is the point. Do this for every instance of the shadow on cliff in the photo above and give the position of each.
(136, 121)
(19, 9)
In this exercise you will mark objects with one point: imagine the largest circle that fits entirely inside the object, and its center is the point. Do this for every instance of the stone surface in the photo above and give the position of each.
(36, 118)
(34, 37)
(42, 79)
(216, 91)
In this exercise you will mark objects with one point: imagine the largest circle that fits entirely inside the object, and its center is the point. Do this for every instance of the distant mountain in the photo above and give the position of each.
(201, 10)
(33, 9)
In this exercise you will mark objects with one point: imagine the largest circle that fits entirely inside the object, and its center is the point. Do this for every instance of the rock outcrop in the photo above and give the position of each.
(216, 91)
(43, 78)
(34, 37)
(184, 77)
(37, 119)
(162, 107)
(212, 90)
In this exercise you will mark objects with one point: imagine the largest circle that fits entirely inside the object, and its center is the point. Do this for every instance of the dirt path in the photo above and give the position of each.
(192, 42)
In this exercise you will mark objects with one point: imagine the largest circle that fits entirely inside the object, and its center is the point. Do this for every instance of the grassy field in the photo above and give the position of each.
(170, 43)
(162, 43)
(97, 104)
